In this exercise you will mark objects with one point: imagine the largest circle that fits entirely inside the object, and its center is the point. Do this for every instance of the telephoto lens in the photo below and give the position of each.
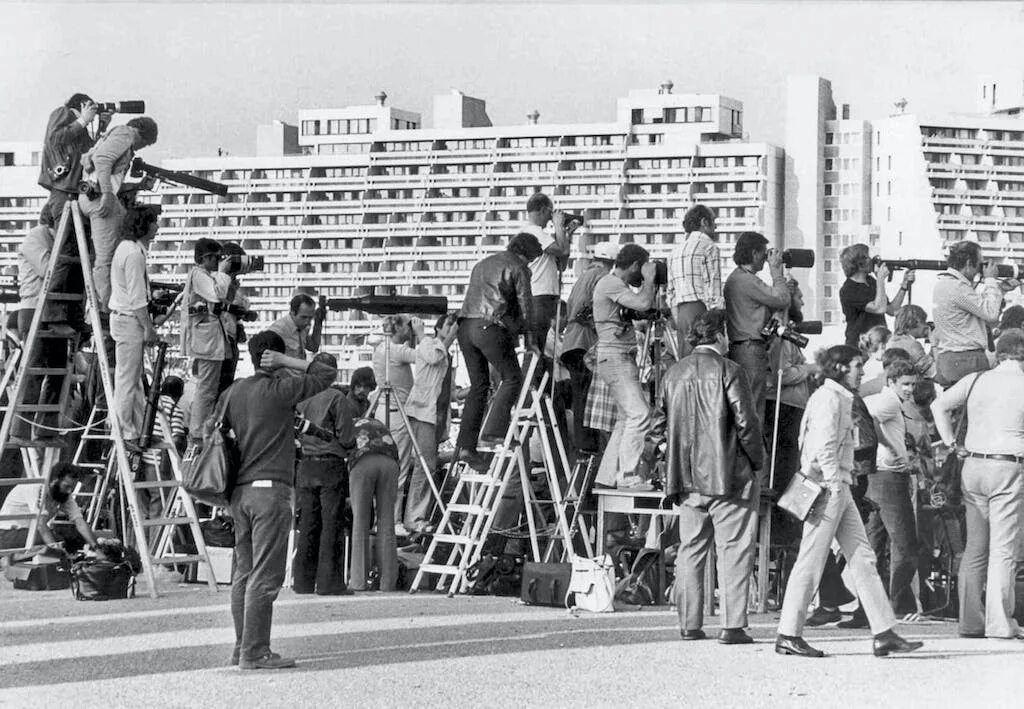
(798, 258)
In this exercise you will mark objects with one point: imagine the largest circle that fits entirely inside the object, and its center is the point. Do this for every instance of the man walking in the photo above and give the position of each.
(260, 412)
(714, 457)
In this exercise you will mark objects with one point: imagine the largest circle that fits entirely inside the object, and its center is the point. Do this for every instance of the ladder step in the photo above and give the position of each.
(156, 483)
(479, 478)
(463, 507)
(453, 538)
(165, 521)
(179, 559)
(17, 518)
(42, 371)
(57, 334)
(21, 481)
(36, 443)
(69, 297)
(38, 408)
(439, 569)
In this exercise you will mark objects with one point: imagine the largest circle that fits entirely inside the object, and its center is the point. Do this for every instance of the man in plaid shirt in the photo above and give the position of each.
(695, 273)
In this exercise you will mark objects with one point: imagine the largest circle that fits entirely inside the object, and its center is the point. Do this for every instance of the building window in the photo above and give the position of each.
(669, 114)
(830, 138)
(828, 265)
(828, 190)
(828, 241)
(828, 317)
(829, 215)
(830, 164)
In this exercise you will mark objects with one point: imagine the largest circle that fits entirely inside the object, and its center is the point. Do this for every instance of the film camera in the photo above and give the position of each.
(305, 427)
(798, 258)
(660, 273)
(162, 297)
(792, 331)
(240, 264)
(121, 107)
(571, 219)
(909, 264)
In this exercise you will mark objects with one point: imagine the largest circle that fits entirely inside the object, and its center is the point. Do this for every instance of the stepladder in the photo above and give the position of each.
(479, 501)
(119, 469)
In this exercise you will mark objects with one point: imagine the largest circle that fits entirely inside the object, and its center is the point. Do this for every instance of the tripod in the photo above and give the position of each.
(387, 391)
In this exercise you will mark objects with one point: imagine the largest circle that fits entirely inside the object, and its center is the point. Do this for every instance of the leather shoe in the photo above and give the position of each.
(793, 645)
(697, 634)
(889, 642)
(972, 635)
(734, 636)
(477, 461)
(270, 661)
(857, 622)
(822, 615)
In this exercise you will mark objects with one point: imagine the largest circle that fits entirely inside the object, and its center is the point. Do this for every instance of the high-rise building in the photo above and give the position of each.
(364, 199)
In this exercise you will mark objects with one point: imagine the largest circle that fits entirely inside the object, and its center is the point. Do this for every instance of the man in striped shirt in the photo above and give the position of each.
(156, 459)
(695, 273)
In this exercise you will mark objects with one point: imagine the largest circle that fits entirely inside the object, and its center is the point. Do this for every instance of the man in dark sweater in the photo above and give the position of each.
(260, 410)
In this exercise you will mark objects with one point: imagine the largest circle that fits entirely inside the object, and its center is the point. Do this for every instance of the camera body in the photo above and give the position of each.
(122, 107)
(305, 427)
(573, 218)
(240, 264)
(241, 313)
(660, 272)
(794, 332)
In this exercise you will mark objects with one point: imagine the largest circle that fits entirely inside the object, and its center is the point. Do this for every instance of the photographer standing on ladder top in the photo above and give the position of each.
(546, 269)
(131, 325)
(203, 338)
(294, 328)
(105, 167)
(617, 366)
(863, 298)
(695, 273)
(232, 317)
(749, 303)
(67, 139)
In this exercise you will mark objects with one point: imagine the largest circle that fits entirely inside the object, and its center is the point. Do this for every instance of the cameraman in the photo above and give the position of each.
(105, 167)
(749, 302)
(695, 273)
(203, 338)
(131, 325)
(862, 297)
(617, 367)
(294, 327)
(67, 139)
(232, 317)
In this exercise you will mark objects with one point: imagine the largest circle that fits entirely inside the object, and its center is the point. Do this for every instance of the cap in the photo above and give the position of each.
(606, 251)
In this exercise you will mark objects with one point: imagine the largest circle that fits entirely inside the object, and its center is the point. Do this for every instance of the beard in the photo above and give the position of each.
(58, 495)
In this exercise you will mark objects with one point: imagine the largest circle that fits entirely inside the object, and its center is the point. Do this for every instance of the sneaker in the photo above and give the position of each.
(270, 661)
(634, 483)
(490, 444)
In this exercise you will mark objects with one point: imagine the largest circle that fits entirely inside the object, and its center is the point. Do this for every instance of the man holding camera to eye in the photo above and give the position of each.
(236, 311)
(695, 273)
(203, 338)
(617, 366)
(749, 303)
(863, 297)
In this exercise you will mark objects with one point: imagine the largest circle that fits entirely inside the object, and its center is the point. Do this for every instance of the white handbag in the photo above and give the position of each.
(592, 585)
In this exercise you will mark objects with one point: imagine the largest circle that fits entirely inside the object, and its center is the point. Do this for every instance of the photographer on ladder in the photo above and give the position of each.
(203, 338)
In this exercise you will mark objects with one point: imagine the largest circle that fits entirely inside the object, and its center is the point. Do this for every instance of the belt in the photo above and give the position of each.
(1019, 460)
(265, 483)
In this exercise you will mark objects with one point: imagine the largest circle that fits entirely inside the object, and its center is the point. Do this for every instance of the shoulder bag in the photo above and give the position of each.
(592, 585)
(211, 471)
(801, 496)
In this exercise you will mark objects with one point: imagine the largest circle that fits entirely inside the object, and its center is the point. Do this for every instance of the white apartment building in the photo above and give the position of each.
(364, 199)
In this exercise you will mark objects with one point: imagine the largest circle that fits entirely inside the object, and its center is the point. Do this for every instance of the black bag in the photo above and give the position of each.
(218, 531)
(545, 584)
(643, 585)
(210, 474)
(47, 575)
(93, 580)
(496, 575)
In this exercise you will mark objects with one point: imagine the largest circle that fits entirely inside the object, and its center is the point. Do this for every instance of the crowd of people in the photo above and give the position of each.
(861, 419)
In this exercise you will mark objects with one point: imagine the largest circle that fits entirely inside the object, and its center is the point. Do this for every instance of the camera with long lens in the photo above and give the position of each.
(162, 297)
(305, 427)
(798, 258)
(912, 265)
(573, 218)
(241, 313)
(660, 272)
(630, 315)
(793, 331)
(122, 107)
(240, 264)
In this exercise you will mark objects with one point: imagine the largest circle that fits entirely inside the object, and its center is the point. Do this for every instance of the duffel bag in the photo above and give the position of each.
(93, 580)
(545, 584)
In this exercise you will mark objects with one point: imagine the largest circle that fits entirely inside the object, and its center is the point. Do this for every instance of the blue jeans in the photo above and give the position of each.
(892, 525)
(632, 415)
(487, 345)
(319, 561)
(262, 517)
(373, 485)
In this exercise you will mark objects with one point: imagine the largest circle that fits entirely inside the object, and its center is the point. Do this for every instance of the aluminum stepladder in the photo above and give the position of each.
(118, 459)
(485, 491)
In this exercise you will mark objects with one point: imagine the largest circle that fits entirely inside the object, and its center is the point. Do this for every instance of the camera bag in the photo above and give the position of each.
(93, 580)
(47, 574)
(545, 584)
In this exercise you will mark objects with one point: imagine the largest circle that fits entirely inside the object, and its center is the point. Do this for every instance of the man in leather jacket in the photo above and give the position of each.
(714, 456)
(495, 311)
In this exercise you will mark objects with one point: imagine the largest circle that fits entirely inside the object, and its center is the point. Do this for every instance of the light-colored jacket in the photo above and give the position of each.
(828, 436)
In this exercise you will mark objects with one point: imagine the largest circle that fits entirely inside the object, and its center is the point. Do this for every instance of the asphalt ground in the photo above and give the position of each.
(401, 650)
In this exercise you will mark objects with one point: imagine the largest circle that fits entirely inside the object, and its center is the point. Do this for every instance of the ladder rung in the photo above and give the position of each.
(156, 483)
(438, 569)
(16, 518)
(21, 481)
(165, 521)
(479, 478)
(453, 538)
(40, 408)
(56, 335)
(463, 507)
(70, 297)
(42, 371)
(181, 559)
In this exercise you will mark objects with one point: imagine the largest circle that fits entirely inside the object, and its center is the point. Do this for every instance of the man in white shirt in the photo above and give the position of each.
(695, 273)
(131, 325)
(26, 501)
(892, 522)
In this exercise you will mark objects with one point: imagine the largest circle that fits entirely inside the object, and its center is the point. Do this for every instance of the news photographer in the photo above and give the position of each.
(203, 338)
(319, 560)
(67, 138)
(749, 303)
(131, 325)
(963, 313)
(617, 365)
(56, 498)
(235, 313)
(862, 296)
(496, 310)
(294, 328)
(695, 273)
(104, 168)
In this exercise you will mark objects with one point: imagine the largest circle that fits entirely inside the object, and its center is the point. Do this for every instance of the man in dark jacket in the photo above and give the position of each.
(714, 457)
(495, 311)
(67, 139)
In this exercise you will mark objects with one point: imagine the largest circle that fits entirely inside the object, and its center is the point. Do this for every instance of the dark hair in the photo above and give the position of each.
(76, 101)
(1010, 345)
(298, 300)
(326, 358)
(65, 469)
(263, 341)
(537, 202)
(138, 219)
(707, 327)
(630, 254)
(748, 243)
(924, 395)
(441, 321)
(835, 361)
(232, 248)
(895, 354)
(1012, 317)
(363, 377)
(172, 386)
(695, 215)
(853, 258)
(146, 127)
(526, 245)
(205, 247)
(963, 253)
(899, 368)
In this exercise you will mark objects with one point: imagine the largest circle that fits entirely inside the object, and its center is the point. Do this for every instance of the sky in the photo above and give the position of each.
(211, 72)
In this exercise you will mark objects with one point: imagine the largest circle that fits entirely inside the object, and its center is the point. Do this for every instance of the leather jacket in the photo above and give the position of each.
(63, 146)
(711, 429)
(499, 292)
